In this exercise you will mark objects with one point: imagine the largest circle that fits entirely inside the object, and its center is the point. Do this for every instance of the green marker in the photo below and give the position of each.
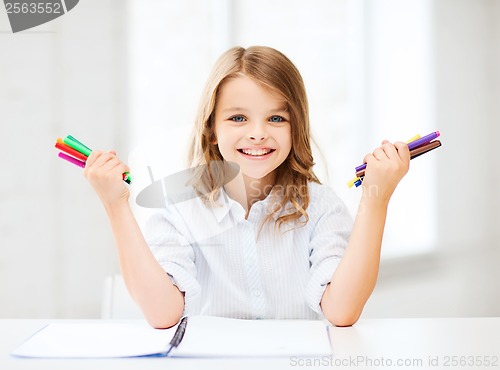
(75, 144)
(79, 142)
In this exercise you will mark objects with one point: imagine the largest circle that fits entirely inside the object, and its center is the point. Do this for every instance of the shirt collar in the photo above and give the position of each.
(224, 204)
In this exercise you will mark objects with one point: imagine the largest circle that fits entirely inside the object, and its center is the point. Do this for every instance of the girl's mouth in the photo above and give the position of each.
(256, 153)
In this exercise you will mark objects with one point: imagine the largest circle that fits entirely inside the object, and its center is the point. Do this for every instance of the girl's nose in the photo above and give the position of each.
(257, 132)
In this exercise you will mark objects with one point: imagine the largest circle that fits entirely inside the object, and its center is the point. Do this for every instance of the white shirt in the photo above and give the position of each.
(213, 255)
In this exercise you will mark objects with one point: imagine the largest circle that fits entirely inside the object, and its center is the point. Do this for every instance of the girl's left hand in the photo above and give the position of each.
(385, 167)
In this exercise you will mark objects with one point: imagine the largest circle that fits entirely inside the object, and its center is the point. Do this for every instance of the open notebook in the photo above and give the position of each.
(205, 336)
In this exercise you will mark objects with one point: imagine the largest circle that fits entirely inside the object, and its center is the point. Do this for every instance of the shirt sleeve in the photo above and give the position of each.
(331, 228)
(175, 254)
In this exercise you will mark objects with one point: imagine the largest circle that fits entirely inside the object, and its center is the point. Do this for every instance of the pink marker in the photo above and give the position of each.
(78, 162)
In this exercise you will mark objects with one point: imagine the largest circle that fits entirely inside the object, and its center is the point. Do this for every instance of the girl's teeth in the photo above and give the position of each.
(257, 152)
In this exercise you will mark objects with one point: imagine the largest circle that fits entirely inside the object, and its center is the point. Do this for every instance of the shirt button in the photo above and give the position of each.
(257, 293)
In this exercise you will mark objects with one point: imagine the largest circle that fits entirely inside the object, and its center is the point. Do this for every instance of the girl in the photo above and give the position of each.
(272, 242)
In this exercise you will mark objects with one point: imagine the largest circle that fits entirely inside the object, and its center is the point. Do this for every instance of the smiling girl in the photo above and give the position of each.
(272, 243)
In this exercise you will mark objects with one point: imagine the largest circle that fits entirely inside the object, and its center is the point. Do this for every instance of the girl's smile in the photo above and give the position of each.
(257, 153)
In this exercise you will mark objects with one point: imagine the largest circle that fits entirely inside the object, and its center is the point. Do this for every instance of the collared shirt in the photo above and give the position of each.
(234, 267)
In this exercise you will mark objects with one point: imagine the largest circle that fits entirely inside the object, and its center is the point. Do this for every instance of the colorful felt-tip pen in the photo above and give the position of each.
(357, 181)
(73, 160)
(78, 153)
(423, 140)
(412, 144)
(414, 153)
(69, 150)
(75, 144)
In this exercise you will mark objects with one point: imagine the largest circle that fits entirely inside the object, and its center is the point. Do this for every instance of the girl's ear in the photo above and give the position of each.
(213, 138)
(214, 141)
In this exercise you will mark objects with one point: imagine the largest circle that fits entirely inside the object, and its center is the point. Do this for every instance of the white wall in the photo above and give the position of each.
(495, 88)
(65, 77)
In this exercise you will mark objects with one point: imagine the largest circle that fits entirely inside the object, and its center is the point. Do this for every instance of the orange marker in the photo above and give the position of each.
(66, 148)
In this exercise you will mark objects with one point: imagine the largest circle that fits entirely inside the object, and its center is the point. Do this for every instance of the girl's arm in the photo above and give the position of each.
(160, 300)
(355, 277)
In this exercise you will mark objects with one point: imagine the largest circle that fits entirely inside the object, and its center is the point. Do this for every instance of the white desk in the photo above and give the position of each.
(371, 343)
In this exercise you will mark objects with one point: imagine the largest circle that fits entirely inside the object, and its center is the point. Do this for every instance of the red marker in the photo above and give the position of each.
(72, 152)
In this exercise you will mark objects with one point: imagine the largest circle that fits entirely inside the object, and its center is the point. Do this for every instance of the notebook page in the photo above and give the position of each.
(96, 340)
(222, 337)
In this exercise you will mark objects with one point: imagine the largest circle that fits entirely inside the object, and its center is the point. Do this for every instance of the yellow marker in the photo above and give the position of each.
(350, 184)
(416, 137)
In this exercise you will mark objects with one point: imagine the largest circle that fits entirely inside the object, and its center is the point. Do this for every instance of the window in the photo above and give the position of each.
(398, 104)
(367, 69)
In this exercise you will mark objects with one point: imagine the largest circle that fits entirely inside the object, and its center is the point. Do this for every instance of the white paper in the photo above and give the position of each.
(205, 336)
(222, 337)
(96, 340)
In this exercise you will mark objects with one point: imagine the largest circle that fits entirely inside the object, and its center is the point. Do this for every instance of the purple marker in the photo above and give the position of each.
(414, 144)
(78, 162)
(359, 168)
(423, 140)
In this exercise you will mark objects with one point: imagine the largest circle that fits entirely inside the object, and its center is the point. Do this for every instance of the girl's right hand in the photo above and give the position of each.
(104, 172)
(385, 167)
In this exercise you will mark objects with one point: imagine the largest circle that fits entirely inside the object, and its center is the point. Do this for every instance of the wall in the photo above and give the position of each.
(65, 77)
(495, 83)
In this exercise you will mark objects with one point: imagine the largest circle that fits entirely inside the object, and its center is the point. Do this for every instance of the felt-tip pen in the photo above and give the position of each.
(78, 153)
(412, 145)
(179, 334)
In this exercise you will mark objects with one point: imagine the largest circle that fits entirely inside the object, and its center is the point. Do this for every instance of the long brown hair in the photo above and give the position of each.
(272, 70)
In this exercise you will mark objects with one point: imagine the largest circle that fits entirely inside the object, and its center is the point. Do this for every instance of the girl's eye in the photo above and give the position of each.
(276, 119)
(237, 119)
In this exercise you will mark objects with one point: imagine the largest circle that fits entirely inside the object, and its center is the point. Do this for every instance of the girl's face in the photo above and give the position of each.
(252, 127)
